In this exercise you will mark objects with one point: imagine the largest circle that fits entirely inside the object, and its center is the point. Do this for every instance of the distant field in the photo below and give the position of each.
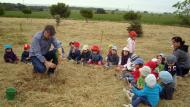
(163, 19)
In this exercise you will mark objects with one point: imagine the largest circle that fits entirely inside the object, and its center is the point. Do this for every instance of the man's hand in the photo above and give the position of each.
(49, 64)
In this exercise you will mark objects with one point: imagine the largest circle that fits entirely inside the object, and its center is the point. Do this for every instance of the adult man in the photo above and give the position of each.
(42, 57)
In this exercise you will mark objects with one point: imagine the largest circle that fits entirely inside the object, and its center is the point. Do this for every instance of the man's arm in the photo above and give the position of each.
(35, 47)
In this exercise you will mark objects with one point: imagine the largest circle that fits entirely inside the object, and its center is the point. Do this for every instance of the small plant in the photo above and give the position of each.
(87, 14)
(137, 27)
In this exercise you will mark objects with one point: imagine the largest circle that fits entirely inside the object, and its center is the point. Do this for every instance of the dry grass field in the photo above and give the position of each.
(77, 85)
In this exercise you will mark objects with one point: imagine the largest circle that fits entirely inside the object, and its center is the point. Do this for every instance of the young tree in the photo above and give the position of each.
(183, 9)
(57, 19)
(87, 14)
(131, 15)
(60, 11)
(136, 26)
(27, 11)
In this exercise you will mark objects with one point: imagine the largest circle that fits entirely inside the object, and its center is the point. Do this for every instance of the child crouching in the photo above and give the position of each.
(25, 54)
(112, 57)
(9, 55)
(95, 57)
(167, 84)
(149, 95)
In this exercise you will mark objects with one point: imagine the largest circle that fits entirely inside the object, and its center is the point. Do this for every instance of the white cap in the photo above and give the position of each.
(150, 80)
(85, 47)
(125, 49)
(114, 47)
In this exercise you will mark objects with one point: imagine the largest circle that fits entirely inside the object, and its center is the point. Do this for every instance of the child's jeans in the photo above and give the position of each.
(40, 67)
(136, 100)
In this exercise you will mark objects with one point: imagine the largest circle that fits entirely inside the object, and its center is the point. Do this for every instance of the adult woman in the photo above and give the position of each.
(181, 52)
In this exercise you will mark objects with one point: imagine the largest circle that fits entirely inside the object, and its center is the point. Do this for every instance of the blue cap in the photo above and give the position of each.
(138, 61)
(8, 46)
(170, 59)
(165, 77)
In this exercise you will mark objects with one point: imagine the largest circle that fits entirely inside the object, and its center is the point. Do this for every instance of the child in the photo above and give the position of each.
(10, 56)
(112, 58)
(109, 49)
(171, 66)
(131, 41)
(133, 76)
(85, 55)
(153, 64)
(25, 54)
(149, 95)
(74, 54)
(123, 60)
(95, 57)
(160, 62)
(144, 71)
(130, 63)
(167, 85)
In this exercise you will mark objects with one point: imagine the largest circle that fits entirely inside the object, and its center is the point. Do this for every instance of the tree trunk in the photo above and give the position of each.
(86, 20)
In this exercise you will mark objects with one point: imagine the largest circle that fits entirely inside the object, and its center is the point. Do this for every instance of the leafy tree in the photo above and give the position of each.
(60, 9)
(183, 10)
(87, 14)
(2, 11)
(100, 11)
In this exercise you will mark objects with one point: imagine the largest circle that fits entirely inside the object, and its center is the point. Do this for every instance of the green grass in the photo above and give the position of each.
(163, 19)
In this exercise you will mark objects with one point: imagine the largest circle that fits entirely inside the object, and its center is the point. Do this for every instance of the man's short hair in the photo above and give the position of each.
(50, 29)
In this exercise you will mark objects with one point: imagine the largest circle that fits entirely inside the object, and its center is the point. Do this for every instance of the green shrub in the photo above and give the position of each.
(87, 14)
(131, 15)
(136, 26)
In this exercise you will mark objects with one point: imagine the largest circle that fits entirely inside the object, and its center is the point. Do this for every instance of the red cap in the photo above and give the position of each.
(77, 44)
(95, 48)
(26, 46)
(132, 34)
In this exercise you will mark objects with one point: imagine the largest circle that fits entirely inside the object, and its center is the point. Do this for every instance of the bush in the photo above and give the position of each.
(2, 11)
(131, 15)
(27, 11)
(100, 11)
(136, 26)
(185, 20)
(87, 14)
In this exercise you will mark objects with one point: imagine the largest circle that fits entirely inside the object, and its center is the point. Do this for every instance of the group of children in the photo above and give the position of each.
(143, 80)
(141, 77)
(11, 57)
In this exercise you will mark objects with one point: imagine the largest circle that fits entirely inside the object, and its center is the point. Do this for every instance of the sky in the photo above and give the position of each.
(158, 6)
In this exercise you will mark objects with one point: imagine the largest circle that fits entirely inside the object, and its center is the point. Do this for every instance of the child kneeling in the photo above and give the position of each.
(95, 57)
(149, 95)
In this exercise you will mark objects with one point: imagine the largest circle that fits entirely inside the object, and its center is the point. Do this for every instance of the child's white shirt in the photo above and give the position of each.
(131, 45)
(127, 65)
